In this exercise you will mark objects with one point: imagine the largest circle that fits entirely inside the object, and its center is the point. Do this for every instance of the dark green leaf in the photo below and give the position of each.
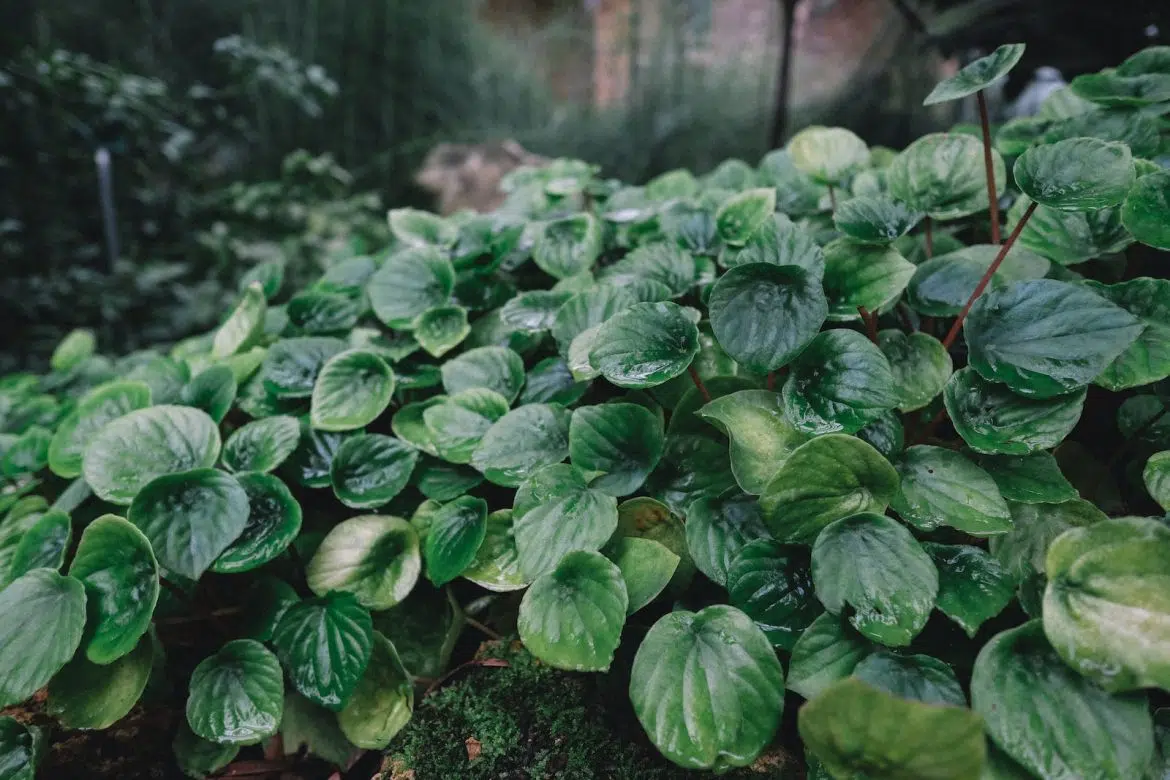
(213, 391)
(453, 538)
(494, 368)
(717, 529)
(408, 283)
(1147, 359)
(828, 650)
(978, 75)
(42, 615)
(742, 214)
(96, 408)
(274, 520)
(44, 545)
(920, 365)
(568, 245)
(645, 345)
(994, 420)
(84, 695)
(857, 275)
(244, 326)
(1077, 174)
(1145, 209)
(383, 701)
(556, 512)
(772, 584)
(1028, 479)
(262, 445)
(237, 695)
(370, 469)
(522, 441)
(761, 437)
(972, 585)
(941, 286)
(625, 441)
(944, 176)
(325, 645)
(827, 154)
(440, 329)
(841, 382)
(915, 677)
(875, 219)
(940, 487)
(352, 390)
(291, 365)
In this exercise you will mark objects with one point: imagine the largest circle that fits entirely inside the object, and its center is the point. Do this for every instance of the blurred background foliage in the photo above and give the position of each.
(206, 108)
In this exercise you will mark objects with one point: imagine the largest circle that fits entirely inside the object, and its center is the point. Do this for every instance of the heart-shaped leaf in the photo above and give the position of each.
(761, 437)
(645, 345)
(943, 175)
(244, 326)
(828, 650)
(352, 390)
(374, 557)
(646, 566)
(444, 481)
(416, 228)
(115, 563)
(826, 479)
(994, 420)
(657, 262)
(772, 584)
(779, 242)
(556, 512)
(874, 565)
(840, 382)
(318, 312)
(370, 469)
(827, 154)
(718, 528)
(534, 311)
(453, 537)
(190, 518)
(875, 219)
(325, 645)
(940, 487)
(383, 701)
(213, 391)
(587, 309)
(84, 695)
(1147, 359)
(237, 695)
(1077, 174)
(291, 366)
(977, 75)
(262, 445)
(625, 441)
(274, 520)
(572, 616)
(522, 441)
(99, 406)
(942, 285)
(440, 329)
(551, 382)
(763, 315)
(972, 585)
(408, 283)
(42, 616)
(725, 722)
(1144, 212)
(148, 443)
(568, 245)
(863, 275)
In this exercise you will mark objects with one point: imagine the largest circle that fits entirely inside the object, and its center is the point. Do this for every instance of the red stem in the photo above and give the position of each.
(832, 199)
(992, 199)
(699, 383)
(771, 380)
(991, 269)
(870, 320)
(929, 225)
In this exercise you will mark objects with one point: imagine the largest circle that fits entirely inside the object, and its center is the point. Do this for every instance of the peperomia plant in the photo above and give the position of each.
(804, 432)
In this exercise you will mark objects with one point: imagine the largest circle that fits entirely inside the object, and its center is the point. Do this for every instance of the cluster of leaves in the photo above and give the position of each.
(711, 404)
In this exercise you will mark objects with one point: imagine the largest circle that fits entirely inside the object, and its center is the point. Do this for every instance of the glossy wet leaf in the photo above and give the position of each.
(43, 546)
(1147, 359)
(1046, 338)
(1145, 209)
(1050, 719)
(977, 75)
(383, 701)
(440, 329)
(42, 616)
(325, 645)
(84, 695)
(625, 441)
(556, 512)
(914, 677)
(456, 427)
(646, 567)
(994, 420)
(646, 518)
(826, 479)
(551, 381)
(262, 445)
(1076, 174)
(244, 326)
(744, 213)
(237, 695)
(725, 722)
(857, 730)
(408, 283)
(1110, 87)
(827, 651)
(310, 462)
(521, 442)
(827, 154)
(148, 443)
(453, 538)
(496, 565)
(572, 616)
(779, 242)
(352, 390)
(585, 310)
(568, 245)
(761, 437)
(190, 518)
(1070, 237)
(213, 391)
(656, 263)
(868, 275)
(274, 520)
(772, 583)
(645, 345)
(370, 469)
(375, 558)
(21, 749)
(940, 487)
(920, 366)
(763, 315)
(942, 285)
(317, 312)
(1028, 479)
(718, 528)
(291, 365)
(973, 586)
(494, 368)
(943, 175)
(875, 219)
(117, 567)
(99, 406)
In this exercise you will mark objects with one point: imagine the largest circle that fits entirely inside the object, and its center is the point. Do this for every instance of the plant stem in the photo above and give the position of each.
(832, 199)
(928, 224)
(771, 384)
(175, 590)
(699, 383)
(992, 199)
(482, 628)
(870, 320)
(904, 315)
(991, 269)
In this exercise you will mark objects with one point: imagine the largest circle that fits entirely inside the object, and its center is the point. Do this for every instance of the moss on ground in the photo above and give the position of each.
(527, 721)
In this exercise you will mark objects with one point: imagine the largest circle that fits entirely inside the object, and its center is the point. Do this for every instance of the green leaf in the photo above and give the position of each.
(213, 391)
(875, 219)
(261, 445)
(42, 616)
(455, 533)
(408, 283)
(374, 557)
(311, 461)
(743, 213)
(763, 315)
(550, 381)
(920, 366)
(1106, 610)
(718, 528)
(829, 650)
(857, 730)
(840, 382)
(645, 345)
(305, 726)
(423, 629)
(1156, 476)
(84, 695)
(772, 584)
(856, 275)
(28, 454)
(625, 441)
(1069, 237)
(148, 443)
(237, 695)
(1050, 719)
(1028, 479)
(534, 311)
(645, 518)
(73, 350)
(585, 310)
(198, 757)
(1022, 550)
(265, 604)
(325, 645)
(1077, 174)
(872, 564)
(941, 286)
(190, 518)
(244, 326)
(318, 313)
(409, 424)
(972, 585)
(421, 229)
(940, 487)
(728, 719)
(556, 512)
(779, 242)
(944, 176)
(1110, 87)
(496, 566)
(274, 520)
(521, 442)
(269, 275)
(494, 368)
(572, 616)
(1147, 359)
(1045, 338)
(569, 245)
(291, 366)
(761, 437)
(383, 701)
(976, 76)
(352, 390)
(885, 434)
(444, 481)
(370, 469)
(457, 426)
(441, 328)
(914, 677)
(21, 749)
(1144, 212)
(657, 262)
(994, 420)
(99, 406)
(116, 564)
(647, 567)
(826, 479)
(827, 154)
(43, 546)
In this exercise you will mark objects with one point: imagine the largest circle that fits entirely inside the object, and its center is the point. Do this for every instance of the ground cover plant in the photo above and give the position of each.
(799, 436)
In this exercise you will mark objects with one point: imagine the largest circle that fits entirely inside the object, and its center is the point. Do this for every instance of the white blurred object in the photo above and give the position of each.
(1045, 81)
